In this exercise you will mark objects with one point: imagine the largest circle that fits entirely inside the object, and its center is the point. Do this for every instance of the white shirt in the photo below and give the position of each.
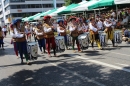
(46, 30)
(80, 28)
(107, 24)
(38, 33)
(125, 20)
(71, 28)
(100, 24)
(17, 34)
(59, 30)
(4, 29)
(91, 27)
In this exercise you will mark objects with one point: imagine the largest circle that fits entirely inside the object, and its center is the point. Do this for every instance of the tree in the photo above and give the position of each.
(68, 2)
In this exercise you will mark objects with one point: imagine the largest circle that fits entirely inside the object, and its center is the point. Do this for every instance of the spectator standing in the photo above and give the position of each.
(4, 29)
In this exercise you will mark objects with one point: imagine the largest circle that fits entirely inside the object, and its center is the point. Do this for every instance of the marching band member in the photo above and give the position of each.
(109, 30)
(14, 39)
(94, 33)
(34, 34)
(28, 31)
(1, 38)
(61, 29)
(21, 40)
(85, 26)
(40, 37)
(80, 27)
(73, 28)
(49, 35)
(99, 24)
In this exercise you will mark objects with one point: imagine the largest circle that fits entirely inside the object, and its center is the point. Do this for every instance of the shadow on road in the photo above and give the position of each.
(59, 76)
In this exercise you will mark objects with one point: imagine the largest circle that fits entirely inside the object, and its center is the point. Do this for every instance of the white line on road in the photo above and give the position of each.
(104, 64)
(122, 64)
(78, 75)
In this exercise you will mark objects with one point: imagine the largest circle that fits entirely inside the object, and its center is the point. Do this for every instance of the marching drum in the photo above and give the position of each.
(103, 39)
(100, 32)
(69, 40)
(83, 41)
(118, 37)
(60, 43)
(88, 37)
(32, 50)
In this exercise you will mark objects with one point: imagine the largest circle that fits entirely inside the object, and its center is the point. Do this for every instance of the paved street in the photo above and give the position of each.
(110, 67)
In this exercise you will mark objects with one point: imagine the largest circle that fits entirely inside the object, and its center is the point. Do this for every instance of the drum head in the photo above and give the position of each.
(32, 43)
(59, 37)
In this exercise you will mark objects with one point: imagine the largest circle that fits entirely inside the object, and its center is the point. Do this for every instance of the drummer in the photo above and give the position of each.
(73, 28)
(12, 26)
(40, 38)
(109, 30)
(49, 35)
(61, 29)
(100, 24)
(21, 40)
(80, 26)
(28, 31)
(85, 26)
(94, 33)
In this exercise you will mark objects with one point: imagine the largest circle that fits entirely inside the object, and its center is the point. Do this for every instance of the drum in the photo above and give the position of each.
(83, 41)
(100, 32)
(118, 36)
(69, 40)
(103, 39)
(32, 50)
(60, 43)
(88, 36)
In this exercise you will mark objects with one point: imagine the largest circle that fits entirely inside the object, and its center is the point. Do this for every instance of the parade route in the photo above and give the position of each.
(108, 67)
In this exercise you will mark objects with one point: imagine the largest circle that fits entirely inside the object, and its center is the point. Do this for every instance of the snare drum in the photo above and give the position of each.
(32, 50)
(100, 32)
(60, 43)
(88, 36)
(83, 41)
(118, 36)
(103, 39)
(69, 40)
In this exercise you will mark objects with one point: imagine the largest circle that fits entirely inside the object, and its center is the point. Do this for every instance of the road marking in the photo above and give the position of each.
(115, 53)
(104, 64)
(122, 64)
(78, 75)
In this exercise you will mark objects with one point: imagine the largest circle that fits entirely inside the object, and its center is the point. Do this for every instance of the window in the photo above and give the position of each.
(17, 0)
(13, 7)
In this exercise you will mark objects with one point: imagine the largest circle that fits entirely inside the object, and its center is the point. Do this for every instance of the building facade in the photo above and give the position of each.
(12, 9)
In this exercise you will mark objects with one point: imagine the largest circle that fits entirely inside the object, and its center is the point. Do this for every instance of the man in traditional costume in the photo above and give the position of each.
(21, 40)
(61, 29)
(73, 28)
(109, 31)
(49, 35)
(40, 37)
(94, 36)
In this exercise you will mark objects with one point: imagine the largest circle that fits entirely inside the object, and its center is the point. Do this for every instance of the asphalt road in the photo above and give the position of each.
(109, 67)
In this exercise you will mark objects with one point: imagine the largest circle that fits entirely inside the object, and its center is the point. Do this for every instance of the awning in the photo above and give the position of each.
(102, 3)
(121, 1)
